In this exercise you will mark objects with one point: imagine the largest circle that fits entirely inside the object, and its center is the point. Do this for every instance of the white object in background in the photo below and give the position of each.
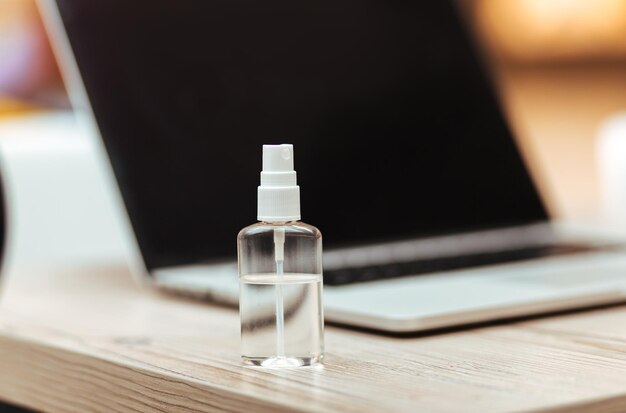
(611, 152)
(59, 212)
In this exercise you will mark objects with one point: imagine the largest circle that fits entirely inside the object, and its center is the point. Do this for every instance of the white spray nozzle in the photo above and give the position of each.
(278, 194)
(278, 158)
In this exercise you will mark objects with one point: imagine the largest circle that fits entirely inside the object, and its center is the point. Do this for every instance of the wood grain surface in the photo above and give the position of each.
(89, 340)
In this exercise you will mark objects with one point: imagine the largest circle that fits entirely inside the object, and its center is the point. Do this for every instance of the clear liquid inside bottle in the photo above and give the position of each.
(281, 310)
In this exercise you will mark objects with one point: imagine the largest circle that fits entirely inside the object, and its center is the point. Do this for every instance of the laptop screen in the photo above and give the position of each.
(396, 130)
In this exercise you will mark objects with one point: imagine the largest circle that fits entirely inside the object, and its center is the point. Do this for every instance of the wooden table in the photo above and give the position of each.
(90, 340)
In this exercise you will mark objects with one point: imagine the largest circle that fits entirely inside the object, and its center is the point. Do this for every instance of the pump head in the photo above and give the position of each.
(278, 194)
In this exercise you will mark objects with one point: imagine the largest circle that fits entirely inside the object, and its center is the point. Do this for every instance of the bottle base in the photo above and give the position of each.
(282, 362)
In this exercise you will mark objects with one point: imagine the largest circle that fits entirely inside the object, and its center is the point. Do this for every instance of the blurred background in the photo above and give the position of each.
(559, 65)
(29, 76)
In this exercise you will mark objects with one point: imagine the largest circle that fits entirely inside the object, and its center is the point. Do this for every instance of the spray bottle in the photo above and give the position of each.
(280, 273)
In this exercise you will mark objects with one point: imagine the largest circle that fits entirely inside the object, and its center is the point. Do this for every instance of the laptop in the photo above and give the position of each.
(435, 220)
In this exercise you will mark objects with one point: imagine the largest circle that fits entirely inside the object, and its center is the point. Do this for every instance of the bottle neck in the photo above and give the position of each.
(279, 223)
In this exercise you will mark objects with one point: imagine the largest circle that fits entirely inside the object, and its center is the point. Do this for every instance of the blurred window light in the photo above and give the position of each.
(27, 67)
(554, 30)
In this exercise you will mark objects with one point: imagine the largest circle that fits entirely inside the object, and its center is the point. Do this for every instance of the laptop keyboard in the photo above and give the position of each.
(345, 276)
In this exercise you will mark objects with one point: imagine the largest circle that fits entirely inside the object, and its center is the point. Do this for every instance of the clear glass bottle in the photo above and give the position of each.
(280, 273)
(282, 322)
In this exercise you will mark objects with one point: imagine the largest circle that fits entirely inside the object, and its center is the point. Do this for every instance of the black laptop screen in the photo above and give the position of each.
(396, 130)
